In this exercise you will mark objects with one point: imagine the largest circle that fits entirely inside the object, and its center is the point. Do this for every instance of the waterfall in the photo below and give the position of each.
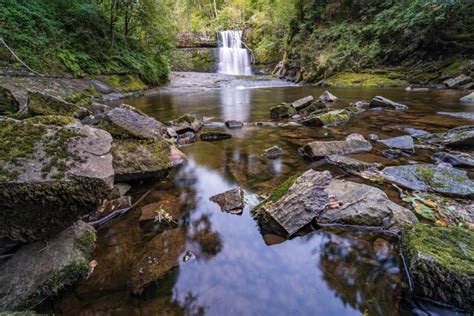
(233, 58)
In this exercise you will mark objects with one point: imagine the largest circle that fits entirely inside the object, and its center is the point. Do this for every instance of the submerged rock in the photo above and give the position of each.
(425, 177)
(50, 176)
(44, 104)
(233, 124)
(329, 117)
(40, 270)
(440, 263)
(458, 81)
(351, 165)
(281, 111)
(165, 213)
(463, 115)
(214, 136)
(468, 98)
(273, 152)
(459, 159)
(382, 102)
(414, 132)
(459, 136)
(353, 144)
(297, 201)
(328, 97)
(363, 205)
(402, 142)
(8, 102)
(302, 103)
(140, 159)
(393, 154)
(231, 201)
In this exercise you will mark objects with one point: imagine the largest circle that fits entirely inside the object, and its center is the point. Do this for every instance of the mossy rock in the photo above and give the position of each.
(83, 98)
(367, 80)
(40, 270)
(8, 102)
(124, 83)
(282, 111)
(57, 120)
(44, 104)
(441, 263)
(195, 59)
(330, 117)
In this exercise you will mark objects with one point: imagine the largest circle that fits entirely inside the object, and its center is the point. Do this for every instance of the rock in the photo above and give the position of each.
(463, 115)
(273, 152)
(289, 125)
(423, 177)
(56, 120)
(468, 98)
(101, 87)
(140, 159)
(353, 144)
(393, 154)
(381, 249)
(187, 123)
(413, 132)
(297, 201)
(458, 81)
(316, 107)
(233, 124)
(8, 102)
(382, 102)
(459, 136)
(124, 123)
(459, 159)
(329, 118)
(44, 104)
(50, 176)
(40, 270)
(412, 89)
(99, 108)
(214, 136)
(302, 103)
(161, 255)
(360, 104)
(363, 205)
(281, 111)
(177, 156)
(373, 138)
(351, 165)
(231, 201)
(119, 190)
(111, 205)
(328, 97)
(402, 142)
(440, 263)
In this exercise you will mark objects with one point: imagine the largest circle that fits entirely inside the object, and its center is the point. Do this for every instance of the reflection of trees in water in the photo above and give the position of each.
(360, 277)
(209, 241)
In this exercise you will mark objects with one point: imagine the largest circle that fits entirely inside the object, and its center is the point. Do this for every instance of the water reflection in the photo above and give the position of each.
(235, 104)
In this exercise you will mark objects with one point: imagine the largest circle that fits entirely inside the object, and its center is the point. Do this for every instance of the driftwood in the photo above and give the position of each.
(117, 213)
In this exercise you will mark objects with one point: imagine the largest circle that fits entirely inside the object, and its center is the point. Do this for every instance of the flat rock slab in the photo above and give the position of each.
(302, 103)
(459, 159)
(401, 142)
(296, 202)
(139, 159)
(457, 137)
(363, 205)
(40, 270)
(329, 117)
(458, 81)
(463, 115)
(424, 177)
(214, 136)
(321, 149)
(233, 124)
(351, 165)
(381, 102)
(50, 176)
(231, 201)
(440, 262)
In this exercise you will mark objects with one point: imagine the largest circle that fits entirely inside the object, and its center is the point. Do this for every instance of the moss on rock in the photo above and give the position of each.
(367, 80)
(125, 83)
(43, 104)
(56, 120)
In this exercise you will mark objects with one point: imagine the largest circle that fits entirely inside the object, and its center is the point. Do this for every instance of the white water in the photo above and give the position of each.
(233, 58)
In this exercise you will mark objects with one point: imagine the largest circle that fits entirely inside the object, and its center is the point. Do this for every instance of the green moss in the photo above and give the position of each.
(57, 120)
(86, 243)
(42, 104)
(456, 68)
(282, 189)
(83, 98)
(453, 248)
(366, 80)
(426, 174)
(127, 83)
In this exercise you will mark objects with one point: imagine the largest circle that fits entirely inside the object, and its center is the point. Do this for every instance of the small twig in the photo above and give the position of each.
(118, 213)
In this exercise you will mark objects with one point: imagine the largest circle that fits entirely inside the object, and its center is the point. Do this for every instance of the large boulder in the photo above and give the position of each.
(8, 102)
(363, 205)
(330, 117)
(353, 144)
(297, 201)
(458, 81)
(140, 159)
(425, 177)
(459, 136)
(302, 103)
(50, 176)
(440, 263)
(381, 102)
(40, 270)
(44, 104)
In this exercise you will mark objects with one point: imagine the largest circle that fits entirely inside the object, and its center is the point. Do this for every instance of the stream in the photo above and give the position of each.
(227, 264)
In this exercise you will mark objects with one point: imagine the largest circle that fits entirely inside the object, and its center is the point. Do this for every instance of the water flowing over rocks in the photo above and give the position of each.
(40, 270)
(425, 177)
(381, 102)
(440, 263)
(231, 201)
(50, 175)
(354, 143)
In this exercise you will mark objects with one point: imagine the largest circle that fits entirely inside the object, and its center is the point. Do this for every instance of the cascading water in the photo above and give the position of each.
(233, 58)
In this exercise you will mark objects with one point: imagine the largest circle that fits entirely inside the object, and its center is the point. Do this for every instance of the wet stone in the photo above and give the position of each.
(457, 137)
(351, 165)
(8, 103)
(214, 136)
(468, 98)
(463, 115)
(233, 124)
(302, 103)
(273, 152)
(414, 132)
(404, 143)
(231, 201)
(463, 160)
(394, 154)
(281, 111)
(458, 81)
(381, 102)
(328, 97)
(354, 143)
(373, 138)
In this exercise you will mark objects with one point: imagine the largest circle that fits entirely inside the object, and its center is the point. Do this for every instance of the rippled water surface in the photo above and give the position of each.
(239, 270)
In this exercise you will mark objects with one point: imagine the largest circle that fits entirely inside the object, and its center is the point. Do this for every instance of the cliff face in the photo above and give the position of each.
(195, 51)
